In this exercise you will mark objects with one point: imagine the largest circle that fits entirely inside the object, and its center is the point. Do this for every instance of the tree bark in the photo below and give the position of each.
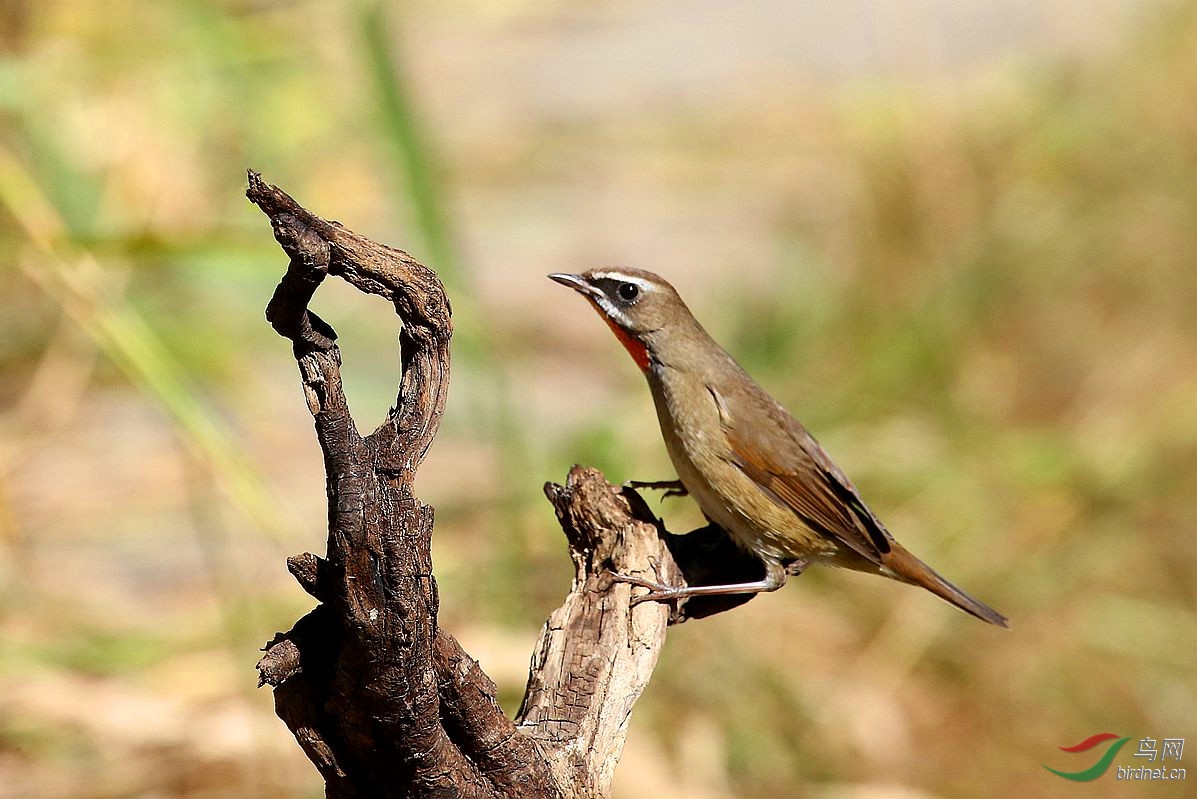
(383, 701)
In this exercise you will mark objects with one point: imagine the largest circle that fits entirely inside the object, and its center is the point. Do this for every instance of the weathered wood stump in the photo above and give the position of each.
(383, 701)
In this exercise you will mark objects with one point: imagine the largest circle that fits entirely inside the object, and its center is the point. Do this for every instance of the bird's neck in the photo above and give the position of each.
(686, 346)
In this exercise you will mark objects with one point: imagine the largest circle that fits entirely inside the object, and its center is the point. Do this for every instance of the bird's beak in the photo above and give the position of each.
(577, 283)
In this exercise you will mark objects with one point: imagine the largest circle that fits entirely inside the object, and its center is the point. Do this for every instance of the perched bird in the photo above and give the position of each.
(753, 469)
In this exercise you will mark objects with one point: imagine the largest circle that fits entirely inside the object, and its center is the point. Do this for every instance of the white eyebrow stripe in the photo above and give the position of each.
(625, 278)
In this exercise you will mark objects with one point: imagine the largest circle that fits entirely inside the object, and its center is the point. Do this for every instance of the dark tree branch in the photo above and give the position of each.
(384, 702)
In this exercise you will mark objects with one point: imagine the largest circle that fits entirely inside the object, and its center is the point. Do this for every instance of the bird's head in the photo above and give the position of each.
(641, 308)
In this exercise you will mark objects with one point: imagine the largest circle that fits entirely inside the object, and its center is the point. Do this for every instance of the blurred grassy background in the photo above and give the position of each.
(957, 239)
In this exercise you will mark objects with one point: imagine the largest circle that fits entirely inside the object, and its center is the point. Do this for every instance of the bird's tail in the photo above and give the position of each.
(906, 567)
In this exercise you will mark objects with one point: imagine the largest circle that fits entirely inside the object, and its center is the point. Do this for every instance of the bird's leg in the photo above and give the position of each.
(775, 577)
(672, 488)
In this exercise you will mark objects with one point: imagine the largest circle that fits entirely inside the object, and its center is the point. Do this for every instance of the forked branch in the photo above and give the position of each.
(383, 701)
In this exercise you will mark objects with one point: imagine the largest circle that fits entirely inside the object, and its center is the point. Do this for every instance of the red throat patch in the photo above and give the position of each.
(638, 351)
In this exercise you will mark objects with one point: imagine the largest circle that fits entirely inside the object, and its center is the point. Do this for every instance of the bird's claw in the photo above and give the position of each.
(651, 596)
(657, 592)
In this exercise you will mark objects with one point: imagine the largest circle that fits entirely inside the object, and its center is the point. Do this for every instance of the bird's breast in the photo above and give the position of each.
(692, 428)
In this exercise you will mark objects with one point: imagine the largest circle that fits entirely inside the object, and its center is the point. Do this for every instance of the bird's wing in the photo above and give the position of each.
(790, 467)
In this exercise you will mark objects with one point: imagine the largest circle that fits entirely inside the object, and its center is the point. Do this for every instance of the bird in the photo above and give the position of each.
(753, 469)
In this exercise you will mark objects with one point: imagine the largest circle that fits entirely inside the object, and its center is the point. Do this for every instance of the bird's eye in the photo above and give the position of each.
(628, 292)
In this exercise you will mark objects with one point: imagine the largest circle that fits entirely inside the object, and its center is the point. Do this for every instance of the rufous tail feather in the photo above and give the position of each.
(909, 569)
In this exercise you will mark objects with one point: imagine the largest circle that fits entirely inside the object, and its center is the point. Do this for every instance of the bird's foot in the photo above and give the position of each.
(657, 592)
(672, 488)
(775, 577)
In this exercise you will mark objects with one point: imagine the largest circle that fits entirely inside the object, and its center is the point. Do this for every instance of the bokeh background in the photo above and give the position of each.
(957, 239)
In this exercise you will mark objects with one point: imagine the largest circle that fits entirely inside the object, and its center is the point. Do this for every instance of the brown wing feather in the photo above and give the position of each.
(791, 468)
